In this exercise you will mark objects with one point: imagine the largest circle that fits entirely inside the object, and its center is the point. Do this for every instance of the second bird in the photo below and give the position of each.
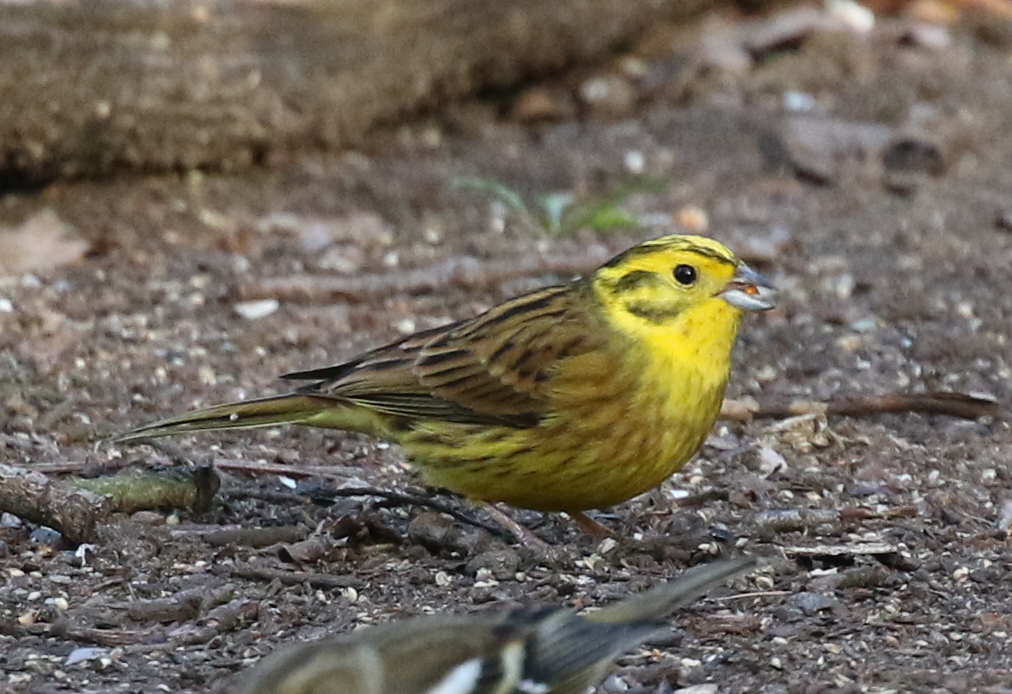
(569, 398)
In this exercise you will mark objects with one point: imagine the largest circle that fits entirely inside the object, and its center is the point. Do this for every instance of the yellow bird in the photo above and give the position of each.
(568, 398)
(529, 651)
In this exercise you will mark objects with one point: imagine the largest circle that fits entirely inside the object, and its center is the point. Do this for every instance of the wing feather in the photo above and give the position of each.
(494, 368)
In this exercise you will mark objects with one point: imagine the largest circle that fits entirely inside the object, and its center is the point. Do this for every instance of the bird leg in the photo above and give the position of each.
(590, 526)
(524, 535)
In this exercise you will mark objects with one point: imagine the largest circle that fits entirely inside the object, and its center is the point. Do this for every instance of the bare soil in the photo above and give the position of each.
(887, 538)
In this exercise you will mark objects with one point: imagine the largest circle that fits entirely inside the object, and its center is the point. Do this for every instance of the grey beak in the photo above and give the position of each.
(748, 290)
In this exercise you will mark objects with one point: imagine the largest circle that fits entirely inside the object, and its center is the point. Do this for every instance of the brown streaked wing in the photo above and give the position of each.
(490, 369)
(501, 362)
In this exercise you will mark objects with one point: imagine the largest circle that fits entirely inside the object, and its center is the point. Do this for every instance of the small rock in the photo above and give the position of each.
(45, 536)
(1004, 220)
(784, 29)
(608, 96)
(914, 154)
(306, 551)
(502, 564)
(707, 688)
(437, 533)
(852, 15)
(542, 104)
(80, 655)
(723, 51)
(812, 603)
(821, 149)
(254, 310)
(930, 36)
(148, 518)
(345, 258)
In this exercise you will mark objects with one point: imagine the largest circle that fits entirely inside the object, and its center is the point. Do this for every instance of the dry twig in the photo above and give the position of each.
(288, 578)
(952, 404)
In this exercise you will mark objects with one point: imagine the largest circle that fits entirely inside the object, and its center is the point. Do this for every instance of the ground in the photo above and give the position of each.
(885, 537)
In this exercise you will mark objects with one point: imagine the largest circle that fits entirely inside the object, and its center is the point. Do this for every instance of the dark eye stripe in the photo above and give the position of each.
(633, 280)
(652, 313)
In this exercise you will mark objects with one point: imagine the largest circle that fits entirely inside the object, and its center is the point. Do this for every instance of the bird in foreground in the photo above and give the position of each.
(569, 398)
(529, 651)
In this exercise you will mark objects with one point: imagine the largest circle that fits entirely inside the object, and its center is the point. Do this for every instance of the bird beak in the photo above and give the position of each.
(748, 290)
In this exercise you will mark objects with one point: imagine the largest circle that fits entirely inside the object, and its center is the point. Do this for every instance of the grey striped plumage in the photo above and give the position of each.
(529, 651)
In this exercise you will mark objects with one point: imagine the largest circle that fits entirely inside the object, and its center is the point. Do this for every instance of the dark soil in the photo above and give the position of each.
(886, 537)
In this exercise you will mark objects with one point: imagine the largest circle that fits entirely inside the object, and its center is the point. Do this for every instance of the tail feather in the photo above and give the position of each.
(661, 600)
(295, 408)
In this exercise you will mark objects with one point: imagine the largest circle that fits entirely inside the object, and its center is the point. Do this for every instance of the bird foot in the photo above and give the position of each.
(591, 526)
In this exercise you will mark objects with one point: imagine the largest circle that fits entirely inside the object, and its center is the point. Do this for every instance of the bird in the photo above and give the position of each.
(526, 651)
(569, 398)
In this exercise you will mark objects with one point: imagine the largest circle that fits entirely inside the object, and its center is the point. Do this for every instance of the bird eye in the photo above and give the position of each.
(685, 274)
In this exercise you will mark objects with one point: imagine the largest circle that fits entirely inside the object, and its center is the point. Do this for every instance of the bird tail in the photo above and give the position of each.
(295, 408)
(659, 601)
(568, 646)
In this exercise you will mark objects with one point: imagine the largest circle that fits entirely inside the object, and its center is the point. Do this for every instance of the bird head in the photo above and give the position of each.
(659, 280)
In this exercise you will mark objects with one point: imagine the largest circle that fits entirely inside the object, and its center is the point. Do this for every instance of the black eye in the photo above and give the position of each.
(685, 274)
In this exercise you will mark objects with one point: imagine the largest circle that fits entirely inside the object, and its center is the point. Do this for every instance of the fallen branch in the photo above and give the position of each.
(33, 497)
(181, 606)
(254, 537)
(953, 404)
(144, 490)
(771, 522)
(294, 471)
(221, 620)
(110, 638)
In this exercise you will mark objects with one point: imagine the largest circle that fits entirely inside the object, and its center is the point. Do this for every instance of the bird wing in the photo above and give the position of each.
(494, 368)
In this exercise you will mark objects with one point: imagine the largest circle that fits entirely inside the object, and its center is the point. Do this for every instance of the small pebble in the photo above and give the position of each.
(253, 310)
(634, 162)
(799, 102)
(499, 564)
(1004, 221)
(80, 655)
(812, 603)
(854, 16)
(542, 104)
(708, 688)
(148, 518)
(608, 95)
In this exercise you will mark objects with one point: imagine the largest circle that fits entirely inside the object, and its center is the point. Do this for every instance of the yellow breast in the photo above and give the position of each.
(623, 420)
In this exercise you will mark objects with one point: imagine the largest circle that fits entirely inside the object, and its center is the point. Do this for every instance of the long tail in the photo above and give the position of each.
(296, 408)
(657, 602)
(569, 647)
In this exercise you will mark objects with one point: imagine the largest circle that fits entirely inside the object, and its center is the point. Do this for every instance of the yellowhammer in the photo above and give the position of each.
(568, 398)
